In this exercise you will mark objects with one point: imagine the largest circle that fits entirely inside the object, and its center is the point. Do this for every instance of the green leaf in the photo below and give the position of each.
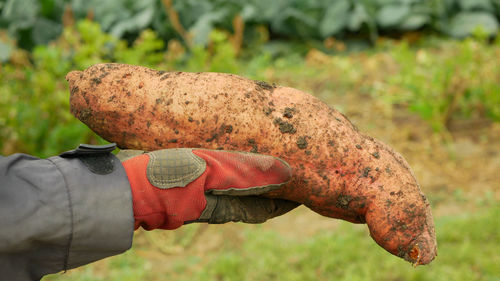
(385, 2)
(138, 22)
(496, 4)
(80, 7)
(190, 11)
(465, 23)
(335, 19)
(476, 4)
(294, 22)
(204, 25)
(45, 30)
(51, 8)
(249, 12)
(5, 51)
(20, 14)
(392, 15)
(415, 21)
(109, 13)
(358, 16)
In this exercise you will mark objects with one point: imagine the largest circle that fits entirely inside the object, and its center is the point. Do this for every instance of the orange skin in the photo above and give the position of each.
(338, 172)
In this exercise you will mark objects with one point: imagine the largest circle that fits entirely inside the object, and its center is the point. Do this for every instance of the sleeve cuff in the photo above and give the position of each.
(102, 222)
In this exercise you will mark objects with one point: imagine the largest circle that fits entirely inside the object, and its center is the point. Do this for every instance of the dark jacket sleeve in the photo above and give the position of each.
(60, 213)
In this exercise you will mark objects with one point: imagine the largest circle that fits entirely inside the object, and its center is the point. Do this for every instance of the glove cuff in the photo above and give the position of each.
(148, 213)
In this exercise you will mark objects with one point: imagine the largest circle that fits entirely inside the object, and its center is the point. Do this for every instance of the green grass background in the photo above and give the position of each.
(468, 247)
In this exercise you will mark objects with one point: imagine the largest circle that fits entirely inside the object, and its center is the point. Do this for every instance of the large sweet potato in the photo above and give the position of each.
(338, 172)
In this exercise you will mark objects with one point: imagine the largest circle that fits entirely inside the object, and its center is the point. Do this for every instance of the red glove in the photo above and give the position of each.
(171, 187)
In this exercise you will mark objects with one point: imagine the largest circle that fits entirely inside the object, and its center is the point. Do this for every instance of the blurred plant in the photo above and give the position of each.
(218, 57)
(457, 80)
(32, 22)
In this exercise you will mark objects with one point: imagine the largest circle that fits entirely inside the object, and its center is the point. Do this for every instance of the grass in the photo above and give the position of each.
(469, 249)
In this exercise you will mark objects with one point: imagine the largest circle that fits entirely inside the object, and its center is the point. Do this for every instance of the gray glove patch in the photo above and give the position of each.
(174, 167)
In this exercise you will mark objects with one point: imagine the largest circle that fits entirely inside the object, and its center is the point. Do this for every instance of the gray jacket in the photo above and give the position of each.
(62, 212)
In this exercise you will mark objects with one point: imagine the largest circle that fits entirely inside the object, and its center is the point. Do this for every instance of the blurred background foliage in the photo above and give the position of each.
(33, 22)
(421, 75)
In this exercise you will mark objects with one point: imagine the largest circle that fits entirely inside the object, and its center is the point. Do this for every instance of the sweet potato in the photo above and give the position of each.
(338, 172)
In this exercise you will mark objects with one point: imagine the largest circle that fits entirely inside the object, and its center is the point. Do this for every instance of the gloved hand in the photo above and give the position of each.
(172, 187)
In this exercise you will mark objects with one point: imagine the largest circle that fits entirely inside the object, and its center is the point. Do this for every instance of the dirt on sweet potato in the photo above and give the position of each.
(337, 171)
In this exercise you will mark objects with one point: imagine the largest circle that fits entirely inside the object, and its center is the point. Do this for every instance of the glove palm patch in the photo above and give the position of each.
(174, 168)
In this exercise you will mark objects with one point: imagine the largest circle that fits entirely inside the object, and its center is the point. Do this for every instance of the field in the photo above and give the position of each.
(437, 103)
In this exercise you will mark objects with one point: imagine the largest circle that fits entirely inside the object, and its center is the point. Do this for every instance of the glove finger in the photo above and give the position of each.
(242, 174)
(126, 154)
(248, 209)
